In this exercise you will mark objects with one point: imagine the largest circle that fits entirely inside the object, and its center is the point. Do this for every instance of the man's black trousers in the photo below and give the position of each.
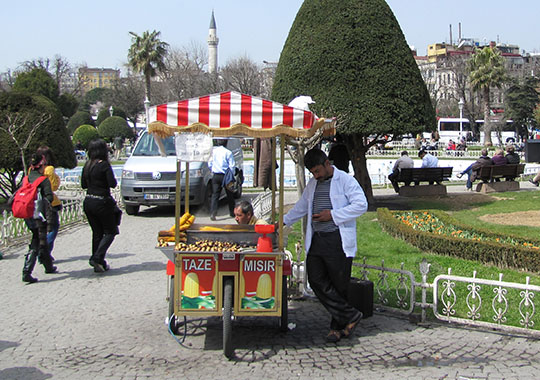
(329, 274)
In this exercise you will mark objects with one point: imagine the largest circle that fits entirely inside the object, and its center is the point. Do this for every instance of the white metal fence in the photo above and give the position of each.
(13, 230)
(458, 299)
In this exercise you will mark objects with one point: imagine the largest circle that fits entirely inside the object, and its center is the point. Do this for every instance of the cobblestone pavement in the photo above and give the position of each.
(80, 325)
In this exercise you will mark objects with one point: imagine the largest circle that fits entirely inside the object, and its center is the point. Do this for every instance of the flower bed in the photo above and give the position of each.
(435, 231)
(426, 221)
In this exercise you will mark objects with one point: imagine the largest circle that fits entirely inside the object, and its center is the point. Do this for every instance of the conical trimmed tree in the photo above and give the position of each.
(351, 57)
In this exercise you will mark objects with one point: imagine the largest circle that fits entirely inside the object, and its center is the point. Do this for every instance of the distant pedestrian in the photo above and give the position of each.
(38, 226)
(53, 220)
(222, 159)
(118, 145)
(339, 155)
(99, 206)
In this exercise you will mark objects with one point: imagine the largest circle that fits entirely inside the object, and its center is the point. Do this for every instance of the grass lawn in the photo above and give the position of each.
(376, 245)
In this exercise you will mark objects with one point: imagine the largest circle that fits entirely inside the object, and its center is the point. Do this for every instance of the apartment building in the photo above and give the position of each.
(91, 78)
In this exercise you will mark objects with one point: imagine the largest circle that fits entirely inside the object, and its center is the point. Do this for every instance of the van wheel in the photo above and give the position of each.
(132, 210)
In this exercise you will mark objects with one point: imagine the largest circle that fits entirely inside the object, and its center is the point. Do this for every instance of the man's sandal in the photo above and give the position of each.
(333, 336)
(349, 329)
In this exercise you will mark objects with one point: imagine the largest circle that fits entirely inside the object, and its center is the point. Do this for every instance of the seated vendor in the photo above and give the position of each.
(243, 214)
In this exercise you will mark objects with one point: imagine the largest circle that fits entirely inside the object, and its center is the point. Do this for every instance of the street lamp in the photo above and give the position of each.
(111, 109)
(147, 110)
(460, 104)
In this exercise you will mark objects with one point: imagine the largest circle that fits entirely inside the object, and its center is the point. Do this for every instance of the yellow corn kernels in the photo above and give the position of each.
(264, 286)
(191, 285)
(184, 218)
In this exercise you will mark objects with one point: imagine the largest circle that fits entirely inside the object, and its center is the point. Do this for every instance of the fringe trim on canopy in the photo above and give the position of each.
(163, 130)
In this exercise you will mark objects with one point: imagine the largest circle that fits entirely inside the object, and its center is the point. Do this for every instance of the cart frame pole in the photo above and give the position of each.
(177, 203)
(281, 189)
(273, 178)
(186, 182)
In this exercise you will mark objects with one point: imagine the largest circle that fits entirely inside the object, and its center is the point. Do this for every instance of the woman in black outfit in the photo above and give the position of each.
(38, 246)
(99, 207)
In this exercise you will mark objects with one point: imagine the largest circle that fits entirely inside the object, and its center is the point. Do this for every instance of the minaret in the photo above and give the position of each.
(212, 46)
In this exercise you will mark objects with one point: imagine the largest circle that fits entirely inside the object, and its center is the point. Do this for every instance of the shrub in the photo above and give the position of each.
(85, 133)
(105, 114)
(78, 119)
(502, 255)
(114, 126)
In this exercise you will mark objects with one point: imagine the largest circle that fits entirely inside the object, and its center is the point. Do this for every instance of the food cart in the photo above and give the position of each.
(230, 270)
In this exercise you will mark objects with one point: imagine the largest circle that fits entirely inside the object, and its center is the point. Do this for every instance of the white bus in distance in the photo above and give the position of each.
(450, 128)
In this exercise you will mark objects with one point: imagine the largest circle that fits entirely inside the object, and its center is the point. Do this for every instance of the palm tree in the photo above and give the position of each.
(146, 55)
(486, 69)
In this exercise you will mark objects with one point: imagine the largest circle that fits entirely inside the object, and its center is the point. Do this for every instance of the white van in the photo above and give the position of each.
(149, 179)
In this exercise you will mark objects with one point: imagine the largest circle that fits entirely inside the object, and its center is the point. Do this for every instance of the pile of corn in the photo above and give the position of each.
(164, 237)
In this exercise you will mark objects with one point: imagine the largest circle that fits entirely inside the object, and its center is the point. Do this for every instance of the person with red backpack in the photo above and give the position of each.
(38, 223)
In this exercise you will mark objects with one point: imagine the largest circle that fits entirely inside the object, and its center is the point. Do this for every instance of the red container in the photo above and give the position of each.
(264, 244)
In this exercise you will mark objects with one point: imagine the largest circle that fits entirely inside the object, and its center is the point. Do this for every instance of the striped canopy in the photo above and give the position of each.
(232, 113)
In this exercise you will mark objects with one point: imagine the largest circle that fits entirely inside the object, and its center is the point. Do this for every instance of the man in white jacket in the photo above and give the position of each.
(332, 200)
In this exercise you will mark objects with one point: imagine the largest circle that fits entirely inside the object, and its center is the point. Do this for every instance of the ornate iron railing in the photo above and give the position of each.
(478, 302)
(497, 307)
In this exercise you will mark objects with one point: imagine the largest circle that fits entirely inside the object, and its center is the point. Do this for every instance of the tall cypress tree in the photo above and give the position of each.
(351, 57)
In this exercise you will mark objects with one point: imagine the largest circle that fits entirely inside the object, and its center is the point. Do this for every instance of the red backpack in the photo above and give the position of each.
(24, 199)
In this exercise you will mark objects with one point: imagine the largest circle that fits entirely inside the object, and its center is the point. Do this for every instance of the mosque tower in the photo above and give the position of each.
(212, 46)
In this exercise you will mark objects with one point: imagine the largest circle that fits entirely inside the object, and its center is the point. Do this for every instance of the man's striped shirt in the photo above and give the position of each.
(321, 201)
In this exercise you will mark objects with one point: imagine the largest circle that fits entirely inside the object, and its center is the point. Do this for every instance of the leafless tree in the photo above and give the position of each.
(60, 69)
(21, 128)
(243, 75)
(184, 75)
(128, 94)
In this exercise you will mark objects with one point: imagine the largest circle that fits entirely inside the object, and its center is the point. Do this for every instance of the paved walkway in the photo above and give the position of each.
(78, 324)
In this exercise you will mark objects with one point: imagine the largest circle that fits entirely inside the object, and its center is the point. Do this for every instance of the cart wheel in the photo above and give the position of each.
(283, 322)
(174, 323)
(227, 317)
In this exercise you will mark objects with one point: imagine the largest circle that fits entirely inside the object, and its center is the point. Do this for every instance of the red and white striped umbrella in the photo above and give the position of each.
(226, 109)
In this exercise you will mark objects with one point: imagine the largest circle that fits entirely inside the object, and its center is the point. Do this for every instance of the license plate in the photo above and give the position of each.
(228, 256)
(156, 196)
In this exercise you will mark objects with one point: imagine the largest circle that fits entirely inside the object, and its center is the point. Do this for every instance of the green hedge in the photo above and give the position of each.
(500, 255)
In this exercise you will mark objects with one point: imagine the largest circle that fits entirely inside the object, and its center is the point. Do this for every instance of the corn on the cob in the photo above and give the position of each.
(264, 286)
(185, 222)
(184, 218)
(191, 285)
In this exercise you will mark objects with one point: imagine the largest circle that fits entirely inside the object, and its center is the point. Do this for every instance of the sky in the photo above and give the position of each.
(96, 33)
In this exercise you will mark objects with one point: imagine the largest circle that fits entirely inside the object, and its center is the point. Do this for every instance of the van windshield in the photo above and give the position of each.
(147, 146)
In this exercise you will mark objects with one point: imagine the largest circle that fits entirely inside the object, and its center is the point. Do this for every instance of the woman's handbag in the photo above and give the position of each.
(118, 215)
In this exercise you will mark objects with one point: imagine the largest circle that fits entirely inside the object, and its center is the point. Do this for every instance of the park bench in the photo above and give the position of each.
(434, 176)
(491, 175)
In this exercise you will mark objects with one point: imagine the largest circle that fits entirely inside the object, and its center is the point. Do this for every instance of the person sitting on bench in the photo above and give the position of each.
(428, 161)
(403, 162)
(473, 169)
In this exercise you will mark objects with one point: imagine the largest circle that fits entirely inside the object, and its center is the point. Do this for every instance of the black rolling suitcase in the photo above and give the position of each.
(361, 296)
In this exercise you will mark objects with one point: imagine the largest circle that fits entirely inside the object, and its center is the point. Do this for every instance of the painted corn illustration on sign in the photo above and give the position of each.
(199, 282)
(258, 282)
